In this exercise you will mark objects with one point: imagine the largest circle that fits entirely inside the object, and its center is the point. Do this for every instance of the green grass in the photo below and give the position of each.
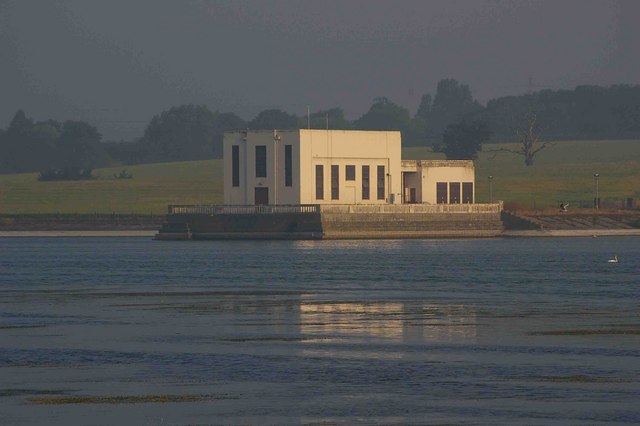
(561, 173)
(152, 188)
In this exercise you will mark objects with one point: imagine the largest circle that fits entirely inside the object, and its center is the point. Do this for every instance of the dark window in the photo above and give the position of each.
(365, 182)
(467, 192)
(381, 182)
(235, 165)
(454, 193)
(319, 182)
(261, 161)
(350, 173)
(335, 182)
(261, 196)
(288, 172)
(441, 193)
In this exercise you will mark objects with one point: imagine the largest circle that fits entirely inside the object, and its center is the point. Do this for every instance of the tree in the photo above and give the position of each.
(332, 118)
(530, 140)
(14, 149)
(463, 141)
(26, 146)
(453, 103)
(270, 119)
(185, 132)
(384, 115)
(424, 109)
(20, 124)
(416, 133)
(78, 146)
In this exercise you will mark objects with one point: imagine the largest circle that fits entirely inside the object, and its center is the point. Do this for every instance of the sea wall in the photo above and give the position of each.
(410, 225)
(334, 222)
(79, 222)
(242, 226)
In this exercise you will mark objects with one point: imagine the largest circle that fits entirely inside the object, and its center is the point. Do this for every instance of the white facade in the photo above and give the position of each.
(312, 167)
(439, 181)
(336, 167)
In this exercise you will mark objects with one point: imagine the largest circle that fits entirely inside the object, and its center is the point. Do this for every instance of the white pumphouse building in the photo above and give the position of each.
(333, 184)
(348, 167)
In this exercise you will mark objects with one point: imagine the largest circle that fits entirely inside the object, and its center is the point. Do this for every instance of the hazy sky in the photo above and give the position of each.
(117, 63)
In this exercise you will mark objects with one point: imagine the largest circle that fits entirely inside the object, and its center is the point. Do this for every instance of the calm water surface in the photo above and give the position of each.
(495, 331)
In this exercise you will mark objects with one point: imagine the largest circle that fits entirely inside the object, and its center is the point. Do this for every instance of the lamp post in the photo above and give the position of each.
(596, 202)
(491, 189)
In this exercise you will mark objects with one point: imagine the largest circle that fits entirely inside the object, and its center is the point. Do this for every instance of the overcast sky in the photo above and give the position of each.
(117, 63)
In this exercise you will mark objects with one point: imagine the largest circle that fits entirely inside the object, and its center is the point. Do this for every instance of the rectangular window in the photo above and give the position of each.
(319, 182)
(467, 192)
(454, 192)
(441, 193)
(350, 173)
(381, 178)
(288, 172)
(365, 182)
(261, 161)
(335, 182)
(235, 165)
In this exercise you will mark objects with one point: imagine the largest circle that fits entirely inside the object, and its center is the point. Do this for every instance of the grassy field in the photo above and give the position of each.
(562, 173)
(153, 187)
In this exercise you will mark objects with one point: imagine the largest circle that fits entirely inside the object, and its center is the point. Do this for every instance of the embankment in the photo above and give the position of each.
(76, 225)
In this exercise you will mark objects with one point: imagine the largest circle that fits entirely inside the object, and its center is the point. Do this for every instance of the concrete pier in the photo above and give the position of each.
(332, 222)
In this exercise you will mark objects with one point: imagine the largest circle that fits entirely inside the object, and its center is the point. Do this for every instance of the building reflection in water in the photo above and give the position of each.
(307, 319)
(407, 322)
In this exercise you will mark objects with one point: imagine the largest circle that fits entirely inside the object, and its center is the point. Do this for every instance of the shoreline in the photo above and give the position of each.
(549, 233)
(76, 233)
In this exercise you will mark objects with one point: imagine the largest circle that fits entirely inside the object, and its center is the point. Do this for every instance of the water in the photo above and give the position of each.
(494, 331)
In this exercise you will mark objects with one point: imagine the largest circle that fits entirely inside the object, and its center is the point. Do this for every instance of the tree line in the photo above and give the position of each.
(450, 121)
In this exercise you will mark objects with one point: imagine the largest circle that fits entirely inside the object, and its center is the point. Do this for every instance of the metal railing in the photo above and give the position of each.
(413, 208)
(210, 210)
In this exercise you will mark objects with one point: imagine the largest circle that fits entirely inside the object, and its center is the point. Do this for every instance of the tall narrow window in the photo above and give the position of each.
(467, 192)
(454, 192)
(235, 165)
(365, 182)
(381, 178)
(288, 172)
(335, 182)
(442, 196)
(261, 161)
(319, 182)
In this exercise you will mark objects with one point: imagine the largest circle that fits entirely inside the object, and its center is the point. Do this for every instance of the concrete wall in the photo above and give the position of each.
(332, 226)
(343, 221)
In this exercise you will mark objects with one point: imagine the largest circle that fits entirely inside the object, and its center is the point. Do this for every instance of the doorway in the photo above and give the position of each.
(262, 196)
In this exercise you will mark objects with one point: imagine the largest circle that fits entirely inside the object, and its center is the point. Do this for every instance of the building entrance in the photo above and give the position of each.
(262, 196)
